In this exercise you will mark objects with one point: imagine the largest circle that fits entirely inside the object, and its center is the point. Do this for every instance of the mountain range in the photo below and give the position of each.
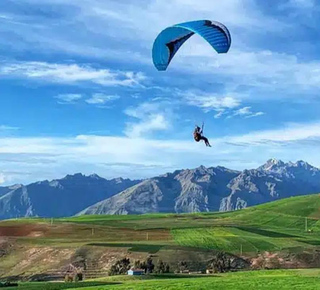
(60, 197)
(213, 189)
(190, 190)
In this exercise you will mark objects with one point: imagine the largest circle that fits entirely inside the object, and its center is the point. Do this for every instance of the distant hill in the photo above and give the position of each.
(60, 197)
(213, 189)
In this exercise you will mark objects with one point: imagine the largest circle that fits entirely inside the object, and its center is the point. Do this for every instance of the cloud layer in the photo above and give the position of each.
(70, 74)
(139, 157)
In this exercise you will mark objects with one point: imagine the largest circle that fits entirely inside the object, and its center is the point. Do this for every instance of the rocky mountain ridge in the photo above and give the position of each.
(213, 189)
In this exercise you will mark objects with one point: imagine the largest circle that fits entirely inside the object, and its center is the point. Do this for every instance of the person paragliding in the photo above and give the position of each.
(169, 41)
(197, 135)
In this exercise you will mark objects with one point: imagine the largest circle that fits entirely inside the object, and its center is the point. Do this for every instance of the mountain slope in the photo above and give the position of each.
(194, 190)
(274, 180)
(213, 189)
(61, 197)
(5, 189)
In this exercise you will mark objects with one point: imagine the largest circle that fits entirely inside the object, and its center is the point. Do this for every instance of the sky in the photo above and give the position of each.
(79, 91)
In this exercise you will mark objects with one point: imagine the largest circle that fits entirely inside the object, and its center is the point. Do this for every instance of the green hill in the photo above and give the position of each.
(271, 226)
(289, 225)
(285, 210)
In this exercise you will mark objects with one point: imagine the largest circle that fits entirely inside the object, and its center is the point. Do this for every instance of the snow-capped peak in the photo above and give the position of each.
(271, 164)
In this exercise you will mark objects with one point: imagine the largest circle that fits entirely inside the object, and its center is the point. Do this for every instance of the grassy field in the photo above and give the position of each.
(279, 279)
(272, 279)
(273, 226)
(60, 286)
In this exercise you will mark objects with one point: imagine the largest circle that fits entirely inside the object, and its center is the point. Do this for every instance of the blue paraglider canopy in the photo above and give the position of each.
(170, 39)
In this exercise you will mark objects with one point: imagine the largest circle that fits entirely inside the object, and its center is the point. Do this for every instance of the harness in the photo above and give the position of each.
(196, 136)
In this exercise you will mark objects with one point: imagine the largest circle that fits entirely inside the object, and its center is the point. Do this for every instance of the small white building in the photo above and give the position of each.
(136, 272)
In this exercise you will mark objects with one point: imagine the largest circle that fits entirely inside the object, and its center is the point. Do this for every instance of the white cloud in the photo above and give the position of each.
(218, 115)
(259, 72)
(222, 105)
(289, 133)
(71, 73)
(153, 122)
(243, 111)
(101, 99)
(5, 17)
(255, 115)
(247, 113)
(210, 102)
(68, 98)
(98, 99)
(8, 128)
(152, 117)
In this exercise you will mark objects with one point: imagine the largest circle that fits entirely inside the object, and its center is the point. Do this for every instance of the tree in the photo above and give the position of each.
(162, 267)
(220, 263)
(78, 277)
(137, 264)
(120, 267)
(149, 266)
(182, 266)
(167, 268)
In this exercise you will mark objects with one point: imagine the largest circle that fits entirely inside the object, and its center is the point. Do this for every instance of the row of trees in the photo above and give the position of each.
(219, 263)
(121, 267)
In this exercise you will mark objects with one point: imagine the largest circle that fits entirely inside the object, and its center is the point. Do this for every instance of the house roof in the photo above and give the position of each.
(136, 270)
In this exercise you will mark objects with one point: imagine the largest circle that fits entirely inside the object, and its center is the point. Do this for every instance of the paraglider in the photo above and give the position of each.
(171, 39)
(197, 135)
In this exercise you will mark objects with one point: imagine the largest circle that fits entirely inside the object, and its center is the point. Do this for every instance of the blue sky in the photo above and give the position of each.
(79, 92)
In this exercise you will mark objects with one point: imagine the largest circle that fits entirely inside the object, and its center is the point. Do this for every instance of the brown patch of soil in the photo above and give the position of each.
(23, 230)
